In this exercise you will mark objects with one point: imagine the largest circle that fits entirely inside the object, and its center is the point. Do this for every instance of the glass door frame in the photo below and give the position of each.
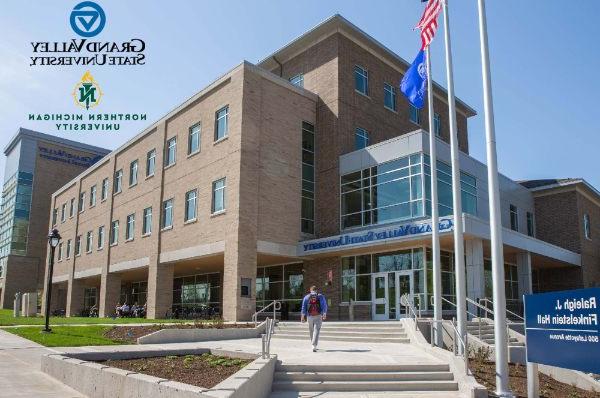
(375, 301)
(399, 293)
(386, 300)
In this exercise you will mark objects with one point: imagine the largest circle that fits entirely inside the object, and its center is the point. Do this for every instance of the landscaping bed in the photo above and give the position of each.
(132, 333)
(485, 373)
(204, 370)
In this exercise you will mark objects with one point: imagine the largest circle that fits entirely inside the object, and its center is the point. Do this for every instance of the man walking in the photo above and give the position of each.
(314, 308)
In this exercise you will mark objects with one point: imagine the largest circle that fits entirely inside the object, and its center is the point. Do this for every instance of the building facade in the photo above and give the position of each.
(36, 165)
(308, 168)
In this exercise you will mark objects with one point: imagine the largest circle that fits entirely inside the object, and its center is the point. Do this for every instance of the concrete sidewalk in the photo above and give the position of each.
(20, 374)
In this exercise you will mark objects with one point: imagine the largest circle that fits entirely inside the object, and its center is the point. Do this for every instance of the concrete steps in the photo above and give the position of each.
(367, 332)
(356, 378)
(487, 333)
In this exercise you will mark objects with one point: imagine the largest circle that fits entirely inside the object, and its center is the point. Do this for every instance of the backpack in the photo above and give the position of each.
(314, 305)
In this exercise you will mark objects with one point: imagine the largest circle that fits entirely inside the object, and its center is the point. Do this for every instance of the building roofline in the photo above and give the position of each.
(215, 84)
(334, 24)
(23, 132)
(563, 183)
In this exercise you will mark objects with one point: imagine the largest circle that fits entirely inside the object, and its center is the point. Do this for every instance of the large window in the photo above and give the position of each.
(88, 241)
(190, 205)
(218, 195)
(587, 227)
(514, 218)
(437, 124)
(54, 215)
(100, 237)
(118, 181)
(387, 192)
(361, 80)
(389, 96)
(104, 193)
(361, 138)
(150, 162)
(69, 248)
(307, 217)
(280, 282)
(194, 139)
(81, 206)
(78, 245)
(63, 212)
(72, 208)
(195, 291)
(147, 221)
(93, 196)
(60, 251)
(468, 186)
(167, 214)
(133, 173)
(297, 80)
(114, 232)
(530, 224)
(414, 114)
(171, 152)
(90, 298)
(448, 282)
(221, 123)
(130, 227)
(511, 282)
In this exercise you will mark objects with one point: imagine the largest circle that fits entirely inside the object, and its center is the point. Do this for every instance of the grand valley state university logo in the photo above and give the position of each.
(87, 93)
(87, 19)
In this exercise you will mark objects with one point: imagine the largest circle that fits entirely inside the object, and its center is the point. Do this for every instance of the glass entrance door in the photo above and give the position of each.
(380, 297)
(404, 285)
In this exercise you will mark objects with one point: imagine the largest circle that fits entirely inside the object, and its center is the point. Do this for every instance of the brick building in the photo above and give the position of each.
(36, 165)
(306, 168)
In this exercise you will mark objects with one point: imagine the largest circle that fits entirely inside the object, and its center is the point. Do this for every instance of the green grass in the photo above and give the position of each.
(7, 319)
(66, 336)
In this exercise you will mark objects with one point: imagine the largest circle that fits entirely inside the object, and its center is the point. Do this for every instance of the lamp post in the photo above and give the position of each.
(53, 241)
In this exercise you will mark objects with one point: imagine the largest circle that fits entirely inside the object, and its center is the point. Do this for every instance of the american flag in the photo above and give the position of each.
(428, 23)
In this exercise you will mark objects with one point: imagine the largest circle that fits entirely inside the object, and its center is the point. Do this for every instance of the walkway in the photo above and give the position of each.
(20, 374)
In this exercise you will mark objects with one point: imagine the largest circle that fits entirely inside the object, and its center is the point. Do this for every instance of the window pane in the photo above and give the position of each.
(363, 288)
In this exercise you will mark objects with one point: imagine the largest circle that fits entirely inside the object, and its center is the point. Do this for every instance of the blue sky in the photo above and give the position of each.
(545, 58)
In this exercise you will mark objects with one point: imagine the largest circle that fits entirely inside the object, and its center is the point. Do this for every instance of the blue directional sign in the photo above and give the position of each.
(562, 329)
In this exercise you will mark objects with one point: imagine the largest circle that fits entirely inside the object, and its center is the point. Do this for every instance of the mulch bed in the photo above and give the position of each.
(485, 373)
(204, 370)
(130, 334)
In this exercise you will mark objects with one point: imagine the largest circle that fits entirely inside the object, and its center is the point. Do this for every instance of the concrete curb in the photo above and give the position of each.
(97, 380)
(168, 336)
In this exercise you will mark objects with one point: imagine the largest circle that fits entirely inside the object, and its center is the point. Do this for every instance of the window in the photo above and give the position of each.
(194, 139)
(282, 283)
(63, 212)
(69, 248)
(118, 181)
(514, 218)
(81, 202)
(147, 221)
(100, 237)
(297, 80)
(90, 298)
(437, 125)
(114, 232)
(150, 162)
(171, 152)
(130, 227)
(93, 196)
(190, 205)
(167, 214)
(88, 242)
(530, 230)
(221, 123)
(361, 80)
(104, 192)
(587, 228)
(60, 251)
(218, 196)
(133, 170)
(72, 208)
(54, 216)
(389, 96)
(361, 138)
(196, 290)
(78, 245)
(414, 114)
(307, 215)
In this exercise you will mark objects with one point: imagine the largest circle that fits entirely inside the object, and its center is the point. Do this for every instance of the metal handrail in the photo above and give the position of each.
(463, 342)
(266, 338)
(276, 307)
(488, 300)
(454, 305)
(410, 308)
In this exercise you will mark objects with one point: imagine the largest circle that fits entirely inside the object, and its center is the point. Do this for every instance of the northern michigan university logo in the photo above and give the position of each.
(87, 19)
(87, 93)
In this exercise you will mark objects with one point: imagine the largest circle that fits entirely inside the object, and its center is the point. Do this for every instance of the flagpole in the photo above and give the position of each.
(435, 234)
(501, 345)
(459, 250)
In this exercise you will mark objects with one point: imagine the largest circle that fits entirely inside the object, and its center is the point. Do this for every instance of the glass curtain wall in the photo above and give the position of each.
(14, 214)
(280, 282)
(197, 290)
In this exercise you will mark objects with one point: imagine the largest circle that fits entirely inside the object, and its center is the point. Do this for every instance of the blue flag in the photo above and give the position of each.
(414, 82)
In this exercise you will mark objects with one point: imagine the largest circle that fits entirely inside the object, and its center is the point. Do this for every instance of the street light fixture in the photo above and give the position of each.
(53, 241)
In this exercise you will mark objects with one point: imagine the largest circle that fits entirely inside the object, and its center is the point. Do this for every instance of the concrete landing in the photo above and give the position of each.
(20, 374)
